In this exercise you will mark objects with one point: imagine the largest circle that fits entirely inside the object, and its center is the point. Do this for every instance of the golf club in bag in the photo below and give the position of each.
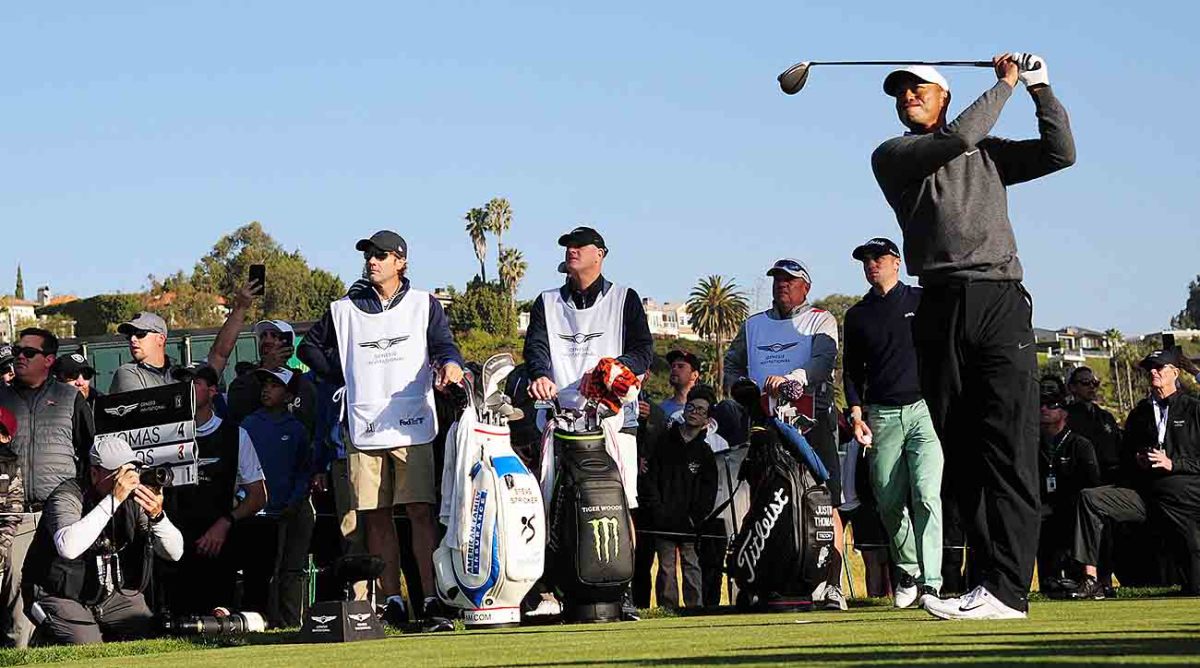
(494, 547)
(590, 546)
(783, 550)
(793, 78)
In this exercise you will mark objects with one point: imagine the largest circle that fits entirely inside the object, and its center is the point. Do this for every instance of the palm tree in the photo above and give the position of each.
(499, 218)
(716, 309)
(477, 228)
(512, 270)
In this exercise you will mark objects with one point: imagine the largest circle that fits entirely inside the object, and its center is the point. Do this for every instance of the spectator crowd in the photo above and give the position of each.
(955, 466)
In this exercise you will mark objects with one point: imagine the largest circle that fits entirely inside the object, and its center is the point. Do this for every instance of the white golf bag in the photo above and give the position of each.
(495, 542)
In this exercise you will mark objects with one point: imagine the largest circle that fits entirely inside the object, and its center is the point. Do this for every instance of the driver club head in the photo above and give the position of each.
(794, 78)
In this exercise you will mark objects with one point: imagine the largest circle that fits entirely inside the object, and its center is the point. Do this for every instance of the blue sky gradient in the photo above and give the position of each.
(137, 134)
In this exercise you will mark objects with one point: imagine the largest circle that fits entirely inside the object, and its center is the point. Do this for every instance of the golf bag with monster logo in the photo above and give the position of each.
(590, 547)
(494, 547)
(781, 555)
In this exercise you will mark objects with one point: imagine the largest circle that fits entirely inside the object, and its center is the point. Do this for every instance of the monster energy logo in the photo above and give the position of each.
(606, 539)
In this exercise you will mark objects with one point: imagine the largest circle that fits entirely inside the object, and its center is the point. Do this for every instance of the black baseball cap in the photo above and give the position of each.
(186, 374)
(876, 247)
(384, 240)
(686, 356)
(1160, 358)
(582, 236)
(73, 365)
(6, 355)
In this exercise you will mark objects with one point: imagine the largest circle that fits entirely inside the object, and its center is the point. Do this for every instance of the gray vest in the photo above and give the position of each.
(44, 442)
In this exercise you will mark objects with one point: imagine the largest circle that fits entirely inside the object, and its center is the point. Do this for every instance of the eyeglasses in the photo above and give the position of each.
(1088, 383)
(376, 254)
(27, 352)
(695, 408)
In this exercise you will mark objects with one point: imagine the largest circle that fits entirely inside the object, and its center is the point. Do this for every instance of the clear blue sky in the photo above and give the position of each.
(135, 134)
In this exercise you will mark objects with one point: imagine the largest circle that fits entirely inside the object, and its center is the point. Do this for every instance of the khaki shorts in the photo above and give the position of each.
(386, 478)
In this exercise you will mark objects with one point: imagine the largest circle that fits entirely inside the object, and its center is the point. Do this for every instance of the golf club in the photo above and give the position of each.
(794, 77)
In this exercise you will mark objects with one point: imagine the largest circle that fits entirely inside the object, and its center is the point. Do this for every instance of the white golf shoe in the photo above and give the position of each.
(906, 591)
(975, 604)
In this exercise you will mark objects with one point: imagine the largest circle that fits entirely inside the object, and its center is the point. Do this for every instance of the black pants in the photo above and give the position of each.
(1054, 545)
(196, 584)
(643, 563)
(1099, 506)
(979, 377)
(712, 565)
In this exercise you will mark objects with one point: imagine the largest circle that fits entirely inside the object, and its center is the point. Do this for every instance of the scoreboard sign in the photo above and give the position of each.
(159, 423)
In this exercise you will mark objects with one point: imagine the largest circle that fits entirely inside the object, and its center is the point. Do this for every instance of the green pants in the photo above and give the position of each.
(906, 469)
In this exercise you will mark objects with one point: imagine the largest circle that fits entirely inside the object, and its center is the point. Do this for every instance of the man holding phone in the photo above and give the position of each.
(1161, 454)
(276, 344)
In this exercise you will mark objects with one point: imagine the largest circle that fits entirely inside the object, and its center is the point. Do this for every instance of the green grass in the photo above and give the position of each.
(1164, 631)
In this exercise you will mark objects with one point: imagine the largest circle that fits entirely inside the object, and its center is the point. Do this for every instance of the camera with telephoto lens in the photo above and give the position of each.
(156, 476)
(211, 625)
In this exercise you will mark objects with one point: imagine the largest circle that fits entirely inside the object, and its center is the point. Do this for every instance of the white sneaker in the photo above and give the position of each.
(976, 604)
(549, 606)
(834, 599)
(906, 591)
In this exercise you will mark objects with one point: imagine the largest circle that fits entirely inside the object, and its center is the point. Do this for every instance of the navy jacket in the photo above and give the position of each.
(879, 363)
(637, 351)
(319, 350)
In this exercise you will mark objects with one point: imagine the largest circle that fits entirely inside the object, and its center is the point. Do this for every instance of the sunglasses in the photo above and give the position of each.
(1088, 383)
(789, 265)
(27, 352)
(376, 254)
(139, 333)
(1052, 405)
(72, 377)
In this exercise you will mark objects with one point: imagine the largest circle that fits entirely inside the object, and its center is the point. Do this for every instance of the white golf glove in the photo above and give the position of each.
(1031, 69)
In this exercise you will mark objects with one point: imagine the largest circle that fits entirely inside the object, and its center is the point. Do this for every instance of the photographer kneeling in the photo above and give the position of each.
(75, 585)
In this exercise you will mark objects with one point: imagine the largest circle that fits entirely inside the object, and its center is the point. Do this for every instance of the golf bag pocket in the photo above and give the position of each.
(591, 542)
(766, 553)
(521, 519)
(816, 517)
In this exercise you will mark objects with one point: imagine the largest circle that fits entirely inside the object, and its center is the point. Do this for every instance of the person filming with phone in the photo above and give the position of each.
(92, 555)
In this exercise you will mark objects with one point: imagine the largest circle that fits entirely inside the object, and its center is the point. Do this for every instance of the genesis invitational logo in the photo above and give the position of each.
(121, 411)
(580, 338)
(778, 347)
(384, 343)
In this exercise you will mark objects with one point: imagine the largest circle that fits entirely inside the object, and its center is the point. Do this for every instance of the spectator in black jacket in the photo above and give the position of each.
(1088, 419)
(1161, 463)
(1067, 463)
(680, 488)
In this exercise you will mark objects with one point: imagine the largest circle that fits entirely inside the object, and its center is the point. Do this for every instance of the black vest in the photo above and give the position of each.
(79, 579)
(196, 507)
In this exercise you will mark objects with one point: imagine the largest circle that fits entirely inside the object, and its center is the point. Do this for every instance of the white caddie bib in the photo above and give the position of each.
(776, 347)
(579, 338)
(389, 382)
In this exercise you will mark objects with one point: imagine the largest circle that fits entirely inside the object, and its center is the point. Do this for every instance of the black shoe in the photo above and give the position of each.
(1090, 588)
(629, 611)
(1110, 591)
(395, 614)
(437, 617)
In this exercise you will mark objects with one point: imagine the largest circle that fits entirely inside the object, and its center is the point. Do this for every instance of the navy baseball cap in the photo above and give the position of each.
(582, 236)
(186, 374)
(876, 247)
(1160, 358)
(72, 365)
(686, 356)
(384, 240)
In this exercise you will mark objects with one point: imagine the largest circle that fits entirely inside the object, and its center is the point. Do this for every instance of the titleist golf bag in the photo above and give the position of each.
(782, 552)
(494, 547)
(590, 547)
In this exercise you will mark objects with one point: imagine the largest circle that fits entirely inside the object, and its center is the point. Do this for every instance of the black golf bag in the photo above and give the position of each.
(590, 541)
(783, 550)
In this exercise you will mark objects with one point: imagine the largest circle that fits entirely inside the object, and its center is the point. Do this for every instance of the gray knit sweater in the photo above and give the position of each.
(948, 187)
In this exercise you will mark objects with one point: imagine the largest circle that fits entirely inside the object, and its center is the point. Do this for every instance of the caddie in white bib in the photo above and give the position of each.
(389, 379)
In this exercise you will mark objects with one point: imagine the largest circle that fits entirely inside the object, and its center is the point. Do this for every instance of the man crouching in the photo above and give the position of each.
(84, 574)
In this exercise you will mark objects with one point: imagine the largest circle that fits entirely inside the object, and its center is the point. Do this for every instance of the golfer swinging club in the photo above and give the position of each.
(973, 330)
